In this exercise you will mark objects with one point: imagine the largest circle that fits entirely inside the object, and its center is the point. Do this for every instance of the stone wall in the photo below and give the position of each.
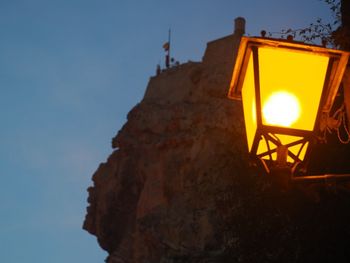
(155, 197)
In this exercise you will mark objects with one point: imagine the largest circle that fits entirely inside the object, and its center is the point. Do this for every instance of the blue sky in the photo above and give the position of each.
(70, 70)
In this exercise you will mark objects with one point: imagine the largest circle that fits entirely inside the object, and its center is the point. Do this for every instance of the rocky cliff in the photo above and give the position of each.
(178, 187)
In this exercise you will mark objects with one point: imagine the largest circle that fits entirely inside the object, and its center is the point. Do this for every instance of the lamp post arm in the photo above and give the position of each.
(324, 178)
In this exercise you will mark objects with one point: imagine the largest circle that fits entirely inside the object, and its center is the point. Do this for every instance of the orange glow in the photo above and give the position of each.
(281, 95)
(299, 73)
(291, 84)
(249, 108)
(281, 109)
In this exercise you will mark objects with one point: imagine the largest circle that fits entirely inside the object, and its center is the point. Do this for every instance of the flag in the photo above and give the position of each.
(166, 46)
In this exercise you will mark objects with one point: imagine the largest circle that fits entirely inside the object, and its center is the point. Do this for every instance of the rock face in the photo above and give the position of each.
(178, 187)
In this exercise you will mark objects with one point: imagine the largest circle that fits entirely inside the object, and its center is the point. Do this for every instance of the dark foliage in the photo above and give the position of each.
(333, 34)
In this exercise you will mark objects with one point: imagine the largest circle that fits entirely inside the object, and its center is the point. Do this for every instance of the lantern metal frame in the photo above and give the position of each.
(335, 71)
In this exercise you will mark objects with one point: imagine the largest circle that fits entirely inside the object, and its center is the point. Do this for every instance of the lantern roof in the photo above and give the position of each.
(249, 42)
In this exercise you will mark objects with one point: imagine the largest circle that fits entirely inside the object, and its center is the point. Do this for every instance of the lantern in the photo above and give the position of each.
(287, 90)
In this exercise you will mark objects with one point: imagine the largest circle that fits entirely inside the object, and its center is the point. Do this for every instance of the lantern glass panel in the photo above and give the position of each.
(291, 84)
(249, 108)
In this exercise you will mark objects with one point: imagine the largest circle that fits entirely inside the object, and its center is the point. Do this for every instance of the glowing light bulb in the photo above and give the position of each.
(281, 109)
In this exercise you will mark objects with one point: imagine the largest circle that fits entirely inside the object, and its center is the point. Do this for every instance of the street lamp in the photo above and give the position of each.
(287, 89)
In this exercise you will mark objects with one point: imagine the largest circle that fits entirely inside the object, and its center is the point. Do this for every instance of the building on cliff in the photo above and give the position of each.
(178, 187)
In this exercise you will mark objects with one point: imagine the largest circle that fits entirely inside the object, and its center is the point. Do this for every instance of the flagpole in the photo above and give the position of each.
(166, 47)
(169, 38)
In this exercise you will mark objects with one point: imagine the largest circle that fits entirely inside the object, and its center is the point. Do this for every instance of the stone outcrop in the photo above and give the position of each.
(178, 186)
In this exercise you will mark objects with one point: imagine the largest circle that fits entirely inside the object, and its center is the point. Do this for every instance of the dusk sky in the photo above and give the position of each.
(70, 70)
